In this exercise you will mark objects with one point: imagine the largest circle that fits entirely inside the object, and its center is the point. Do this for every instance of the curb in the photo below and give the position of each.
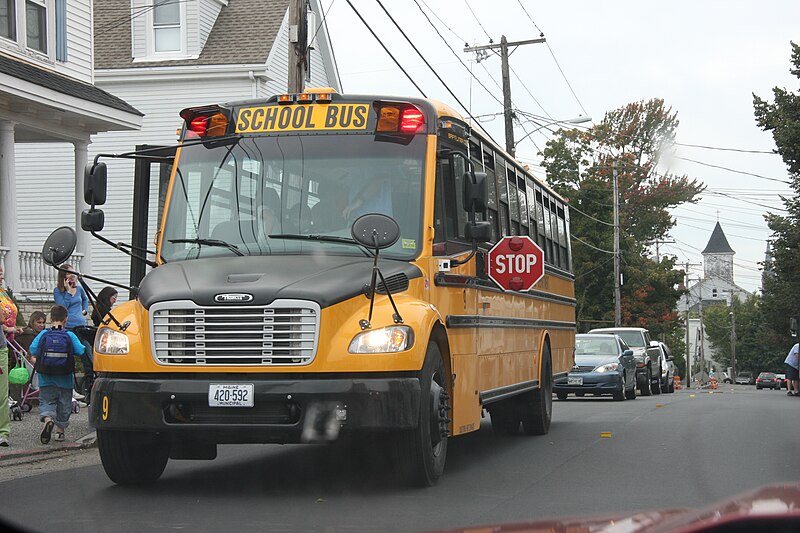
(85, 442)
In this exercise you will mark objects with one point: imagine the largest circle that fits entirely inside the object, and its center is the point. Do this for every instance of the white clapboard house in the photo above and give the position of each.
(162, 56)
(50, 111)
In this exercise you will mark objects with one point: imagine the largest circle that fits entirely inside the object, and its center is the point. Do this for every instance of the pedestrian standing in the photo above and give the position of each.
(5, 415)
(72, 296)
(792, 362)
(55, 349)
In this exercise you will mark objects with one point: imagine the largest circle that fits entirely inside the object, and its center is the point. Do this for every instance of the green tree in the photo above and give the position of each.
(580, 166)
(751, 353)
(781, 282)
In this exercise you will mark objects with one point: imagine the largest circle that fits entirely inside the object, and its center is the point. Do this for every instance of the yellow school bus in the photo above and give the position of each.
(264, 320)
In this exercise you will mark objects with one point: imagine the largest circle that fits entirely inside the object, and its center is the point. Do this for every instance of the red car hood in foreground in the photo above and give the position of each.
(774, 508)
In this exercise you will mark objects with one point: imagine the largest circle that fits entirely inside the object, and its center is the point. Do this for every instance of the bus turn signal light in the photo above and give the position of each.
(397, 119)
(205, 122)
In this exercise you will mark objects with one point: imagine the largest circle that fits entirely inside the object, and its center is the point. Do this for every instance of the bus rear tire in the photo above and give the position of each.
(131, 458)
(420, 453)
(538, 405)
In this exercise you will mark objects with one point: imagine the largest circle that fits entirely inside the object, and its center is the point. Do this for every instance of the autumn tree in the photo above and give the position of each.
(781, 283)
(580, 165)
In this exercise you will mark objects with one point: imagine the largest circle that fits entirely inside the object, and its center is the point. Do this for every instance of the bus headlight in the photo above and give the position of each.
(111, 342)
(384, 340)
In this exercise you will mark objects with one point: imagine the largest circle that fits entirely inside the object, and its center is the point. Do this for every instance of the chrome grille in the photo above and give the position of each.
(282, 333)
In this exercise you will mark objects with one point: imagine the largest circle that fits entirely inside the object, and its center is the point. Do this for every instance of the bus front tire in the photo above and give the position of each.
(538, 405)
(420, 453)
(130, 457)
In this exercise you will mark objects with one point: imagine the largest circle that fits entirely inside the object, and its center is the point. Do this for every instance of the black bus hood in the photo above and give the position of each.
(325, 279)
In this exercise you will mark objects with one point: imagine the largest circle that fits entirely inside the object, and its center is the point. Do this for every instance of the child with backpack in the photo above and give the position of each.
(55, 349)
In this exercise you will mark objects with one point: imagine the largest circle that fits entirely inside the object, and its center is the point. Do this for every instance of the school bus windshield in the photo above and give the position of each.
(248, 193)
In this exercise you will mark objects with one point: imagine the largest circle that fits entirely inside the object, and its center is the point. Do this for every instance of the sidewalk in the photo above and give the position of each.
(24, 439)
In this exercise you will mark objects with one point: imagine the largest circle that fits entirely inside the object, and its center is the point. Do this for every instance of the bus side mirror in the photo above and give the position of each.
(92, 220)
(478, 231)
(95, 184)
(793, 326)
(476, 191)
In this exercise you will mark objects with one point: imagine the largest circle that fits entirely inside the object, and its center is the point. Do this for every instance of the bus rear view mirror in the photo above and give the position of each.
(92, 220)
(95, 184)
(478, 231)
(476, 191)
(375, 231)
(59, 246)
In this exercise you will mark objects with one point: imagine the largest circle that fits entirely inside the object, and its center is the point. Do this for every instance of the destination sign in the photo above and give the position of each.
(303, 117)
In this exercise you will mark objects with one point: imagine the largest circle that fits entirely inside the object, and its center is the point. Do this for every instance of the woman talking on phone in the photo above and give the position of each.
(72, 296)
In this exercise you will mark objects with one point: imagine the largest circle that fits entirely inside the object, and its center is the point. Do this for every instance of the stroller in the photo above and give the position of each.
(30, 390)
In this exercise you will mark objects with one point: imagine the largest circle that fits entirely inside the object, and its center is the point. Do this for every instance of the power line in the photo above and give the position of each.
(573, 208)
(732, 170)
(726, 149)
(364, 22)
(591, 246)
(554, 59)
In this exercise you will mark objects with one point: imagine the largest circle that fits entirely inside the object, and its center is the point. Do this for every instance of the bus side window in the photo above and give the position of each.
(449, 214)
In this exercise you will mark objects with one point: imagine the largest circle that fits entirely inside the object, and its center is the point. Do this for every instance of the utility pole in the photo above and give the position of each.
(702, 343)
(298, 39)
(688, 351)
(733, 339)
(688, 306)
(617, 297)
(507, 111)
(657, 242)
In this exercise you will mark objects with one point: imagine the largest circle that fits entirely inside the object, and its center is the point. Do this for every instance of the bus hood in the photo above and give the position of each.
(325, 279)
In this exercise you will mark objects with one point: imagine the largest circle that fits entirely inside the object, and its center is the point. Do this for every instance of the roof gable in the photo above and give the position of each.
(718, 243)
(243, 33)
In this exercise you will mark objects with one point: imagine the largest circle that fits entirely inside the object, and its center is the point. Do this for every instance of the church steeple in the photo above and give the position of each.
(718, 256)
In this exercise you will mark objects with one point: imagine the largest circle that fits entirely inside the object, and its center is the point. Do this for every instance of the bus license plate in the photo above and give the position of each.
(574, 380)
(230, 395)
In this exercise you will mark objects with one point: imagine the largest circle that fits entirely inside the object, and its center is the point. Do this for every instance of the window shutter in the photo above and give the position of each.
(61, 30)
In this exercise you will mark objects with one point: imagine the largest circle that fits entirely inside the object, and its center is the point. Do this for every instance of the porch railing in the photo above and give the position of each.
(35, 276)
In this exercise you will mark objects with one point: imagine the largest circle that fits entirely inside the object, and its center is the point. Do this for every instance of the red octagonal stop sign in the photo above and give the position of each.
(516, 263)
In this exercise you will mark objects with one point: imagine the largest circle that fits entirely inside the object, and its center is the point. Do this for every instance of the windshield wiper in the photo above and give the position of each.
(320, 238)
(210, 242)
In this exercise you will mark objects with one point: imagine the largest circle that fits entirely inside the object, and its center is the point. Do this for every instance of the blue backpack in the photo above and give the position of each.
(56, 353)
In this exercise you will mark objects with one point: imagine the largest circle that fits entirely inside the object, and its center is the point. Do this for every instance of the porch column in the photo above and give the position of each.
(8, 203)
(84, 245)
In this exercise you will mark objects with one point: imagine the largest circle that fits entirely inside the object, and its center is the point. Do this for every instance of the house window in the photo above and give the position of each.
(36, 25)
(167, 26)
(713, 293)
(8, 19)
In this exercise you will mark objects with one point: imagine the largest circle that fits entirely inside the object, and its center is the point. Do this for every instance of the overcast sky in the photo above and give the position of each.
(704, 58)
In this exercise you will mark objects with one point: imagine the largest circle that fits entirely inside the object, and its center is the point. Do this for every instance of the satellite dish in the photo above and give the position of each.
(59, 246)
(374, 230)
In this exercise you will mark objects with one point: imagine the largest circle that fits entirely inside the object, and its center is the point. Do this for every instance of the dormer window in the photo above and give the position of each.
(166, 31)
(167, 26)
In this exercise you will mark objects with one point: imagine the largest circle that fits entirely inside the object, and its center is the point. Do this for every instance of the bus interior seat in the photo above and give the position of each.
(233, 231)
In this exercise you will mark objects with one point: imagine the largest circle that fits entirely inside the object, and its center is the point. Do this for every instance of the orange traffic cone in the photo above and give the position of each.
(677, 380)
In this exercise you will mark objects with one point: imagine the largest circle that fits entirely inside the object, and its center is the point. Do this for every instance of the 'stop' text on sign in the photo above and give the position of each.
(516, 263)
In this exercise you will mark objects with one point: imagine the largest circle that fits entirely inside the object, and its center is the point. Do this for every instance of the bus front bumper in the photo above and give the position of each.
(284, 410)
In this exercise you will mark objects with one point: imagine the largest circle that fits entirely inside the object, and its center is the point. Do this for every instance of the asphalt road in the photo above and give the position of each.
(685, 449)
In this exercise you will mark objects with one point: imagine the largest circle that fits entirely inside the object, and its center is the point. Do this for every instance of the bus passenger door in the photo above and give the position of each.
(453, 290)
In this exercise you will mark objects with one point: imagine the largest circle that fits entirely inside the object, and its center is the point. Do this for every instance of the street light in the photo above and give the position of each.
(577, 120)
